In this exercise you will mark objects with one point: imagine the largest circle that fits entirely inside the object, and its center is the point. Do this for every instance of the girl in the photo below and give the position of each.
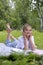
(26, 41)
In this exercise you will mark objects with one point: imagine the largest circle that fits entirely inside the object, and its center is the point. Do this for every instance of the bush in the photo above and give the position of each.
(2, 25)
(21, 59)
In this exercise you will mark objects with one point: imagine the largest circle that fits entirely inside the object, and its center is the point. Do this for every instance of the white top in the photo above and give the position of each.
(21, 42)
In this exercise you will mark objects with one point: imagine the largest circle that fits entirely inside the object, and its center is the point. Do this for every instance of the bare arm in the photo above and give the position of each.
(25, 42)
(33, 46)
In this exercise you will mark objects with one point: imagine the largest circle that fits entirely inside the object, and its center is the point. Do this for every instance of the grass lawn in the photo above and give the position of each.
(37, 35)
(16, 59)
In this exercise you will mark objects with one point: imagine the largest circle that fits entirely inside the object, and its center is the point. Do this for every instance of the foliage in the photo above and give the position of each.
(19, 15)
(6, 13)
(20, 59)
(39, 8)
(2, 25)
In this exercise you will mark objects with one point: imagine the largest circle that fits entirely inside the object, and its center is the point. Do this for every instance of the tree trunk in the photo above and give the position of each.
(41, 24)
(42, 20)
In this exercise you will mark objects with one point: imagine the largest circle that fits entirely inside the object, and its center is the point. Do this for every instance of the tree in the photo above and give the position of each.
(19, 12)
(39, 7)
(6, 13)
(22, 9)
(26, 14)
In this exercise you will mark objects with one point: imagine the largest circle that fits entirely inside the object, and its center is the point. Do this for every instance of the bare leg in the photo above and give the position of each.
(12, 37)
(9, 35)
(8, 29)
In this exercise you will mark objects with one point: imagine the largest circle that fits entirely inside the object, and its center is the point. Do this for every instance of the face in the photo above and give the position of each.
(28, 31)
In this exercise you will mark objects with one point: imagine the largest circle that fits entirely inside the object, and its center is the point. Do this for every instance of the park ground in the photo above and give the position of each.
(16, 59)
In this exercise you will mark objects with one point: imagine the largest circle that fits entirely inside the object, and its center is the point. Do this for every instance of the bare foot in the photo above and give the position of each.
(8, 29)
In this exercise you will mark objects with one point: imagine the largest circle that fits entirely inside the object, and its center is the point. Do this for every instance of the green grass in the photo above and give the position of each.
(3, 35)
(16, 59)
(37, 35)
(21, 59)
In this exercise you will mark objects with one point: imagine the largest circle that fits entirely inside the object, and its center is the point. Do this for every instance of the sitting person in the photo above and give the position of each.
(26, 41)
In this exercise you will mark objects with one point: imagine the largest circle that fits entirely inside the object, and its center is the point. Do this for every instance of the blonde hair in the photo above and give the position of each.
(25, 27)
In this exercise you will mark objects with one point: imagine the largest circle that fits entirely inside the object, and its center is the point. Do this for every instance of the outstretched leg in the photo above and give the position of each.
(8, 29)
(9, 35)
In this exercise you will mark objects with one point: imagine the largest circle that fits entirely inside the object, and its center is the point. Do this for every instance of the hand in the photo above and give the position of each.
(24, 35)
